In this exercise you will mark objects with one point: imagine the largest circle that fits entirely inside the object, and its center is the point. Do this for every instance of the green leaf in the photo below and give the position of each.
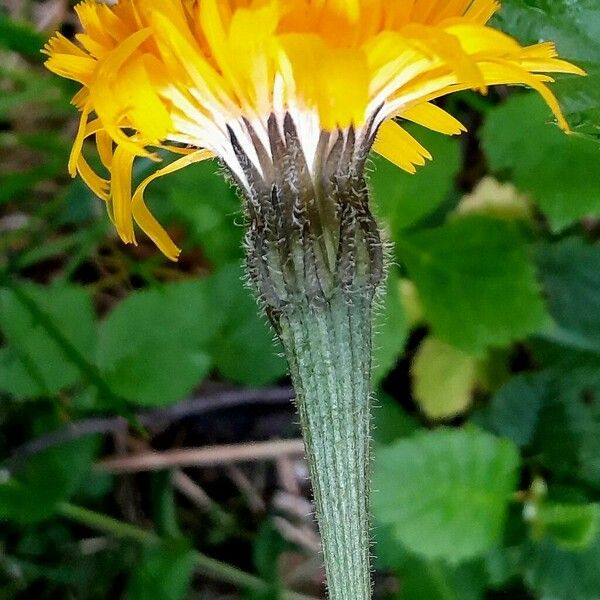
(563, 426)
(571, 526)
(47, 479)
(16, 379)
(554, 572)
(391, 421)
(20, 37)
(164, 573)
(244, 350)
(391, 330)
(557, 170)
(153, 347)
(36, 364)
(570, 352)
(475, 281)
(419, 578)
(446, 492)
(503, 564)
(514, 410)
(570, 272)
(403, 199)
(444, 379)
(580, 100)
(268, 546)
(435, 579)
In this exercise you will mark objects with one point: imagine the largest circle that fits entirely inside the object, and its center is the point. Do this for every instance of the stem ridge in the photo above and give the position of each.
(326, 348)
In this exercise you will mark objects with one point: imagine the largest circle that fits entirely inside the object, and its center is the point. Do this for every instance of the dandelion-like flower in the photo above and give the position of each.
(291, 96)
(221, 78)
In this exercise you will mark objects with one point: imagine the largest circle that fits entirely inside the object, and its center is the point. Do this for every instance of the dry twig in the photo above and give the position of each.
(201, 457)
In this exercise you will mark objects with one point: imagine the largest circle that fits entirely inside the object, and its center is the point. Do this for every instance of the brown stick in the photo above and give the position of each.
(217, 401)
(201, 457)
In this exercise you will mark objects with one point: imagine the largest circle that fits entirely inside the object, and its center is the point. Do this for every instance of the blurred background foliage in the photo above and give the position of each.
(487, 379)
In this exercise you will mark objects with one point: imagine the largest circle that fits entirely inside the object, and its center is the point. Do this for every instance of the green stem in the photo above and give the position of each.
(214, 568)
(329, 352)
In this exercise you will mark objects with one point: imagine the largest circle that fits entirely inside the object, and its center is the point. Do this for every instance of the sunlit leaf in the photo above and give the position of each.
(444, 379)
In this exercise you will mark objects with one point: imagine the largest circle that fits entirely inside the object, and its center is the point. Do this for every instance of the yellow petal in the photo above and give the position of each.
(543, 57)
(104, 144)
(147, 113)
(97, 184)
(78, 141)
(143, 217)
(399, 147)
(431, 116)
(507, 73)
(481, 11)
(122, 165)
(102, 91)
(348, 8)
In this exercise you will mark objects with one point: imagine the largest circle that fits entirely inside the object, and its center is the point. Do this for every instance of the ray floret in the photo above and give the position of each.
(182, 75)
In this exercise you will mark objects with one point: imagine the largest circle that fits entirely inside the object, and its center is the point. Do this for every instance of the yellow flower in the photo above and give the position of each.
(198, 77)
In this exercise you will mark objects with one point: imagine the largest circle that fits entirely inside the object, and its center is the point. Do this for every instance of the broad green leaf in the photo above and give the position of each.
(16, 379)
(503, 564)
(419, 578)
(154, 346)
(244, 349)
(47, 479)
(446, 492)
(165, 573)
(475, 281)
(571, 526)
(444, 379)
(391, 330)
(36, 364)
(563, 428)
(575, 374)
(514, 410)
(391, 421)
(560, 172)
(570, 272)
(589, 456)
(402, 199)
(435, 579)
(580, 100)
(555, 572)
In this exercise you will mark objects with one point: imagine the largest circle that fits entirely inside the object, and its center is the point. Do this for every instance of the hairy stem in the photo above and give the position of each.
(316, 259)
(328, 349)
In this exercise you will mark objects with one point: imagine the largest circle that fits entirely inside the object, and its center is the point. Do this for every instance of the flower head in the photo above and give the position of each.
(205, 78)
